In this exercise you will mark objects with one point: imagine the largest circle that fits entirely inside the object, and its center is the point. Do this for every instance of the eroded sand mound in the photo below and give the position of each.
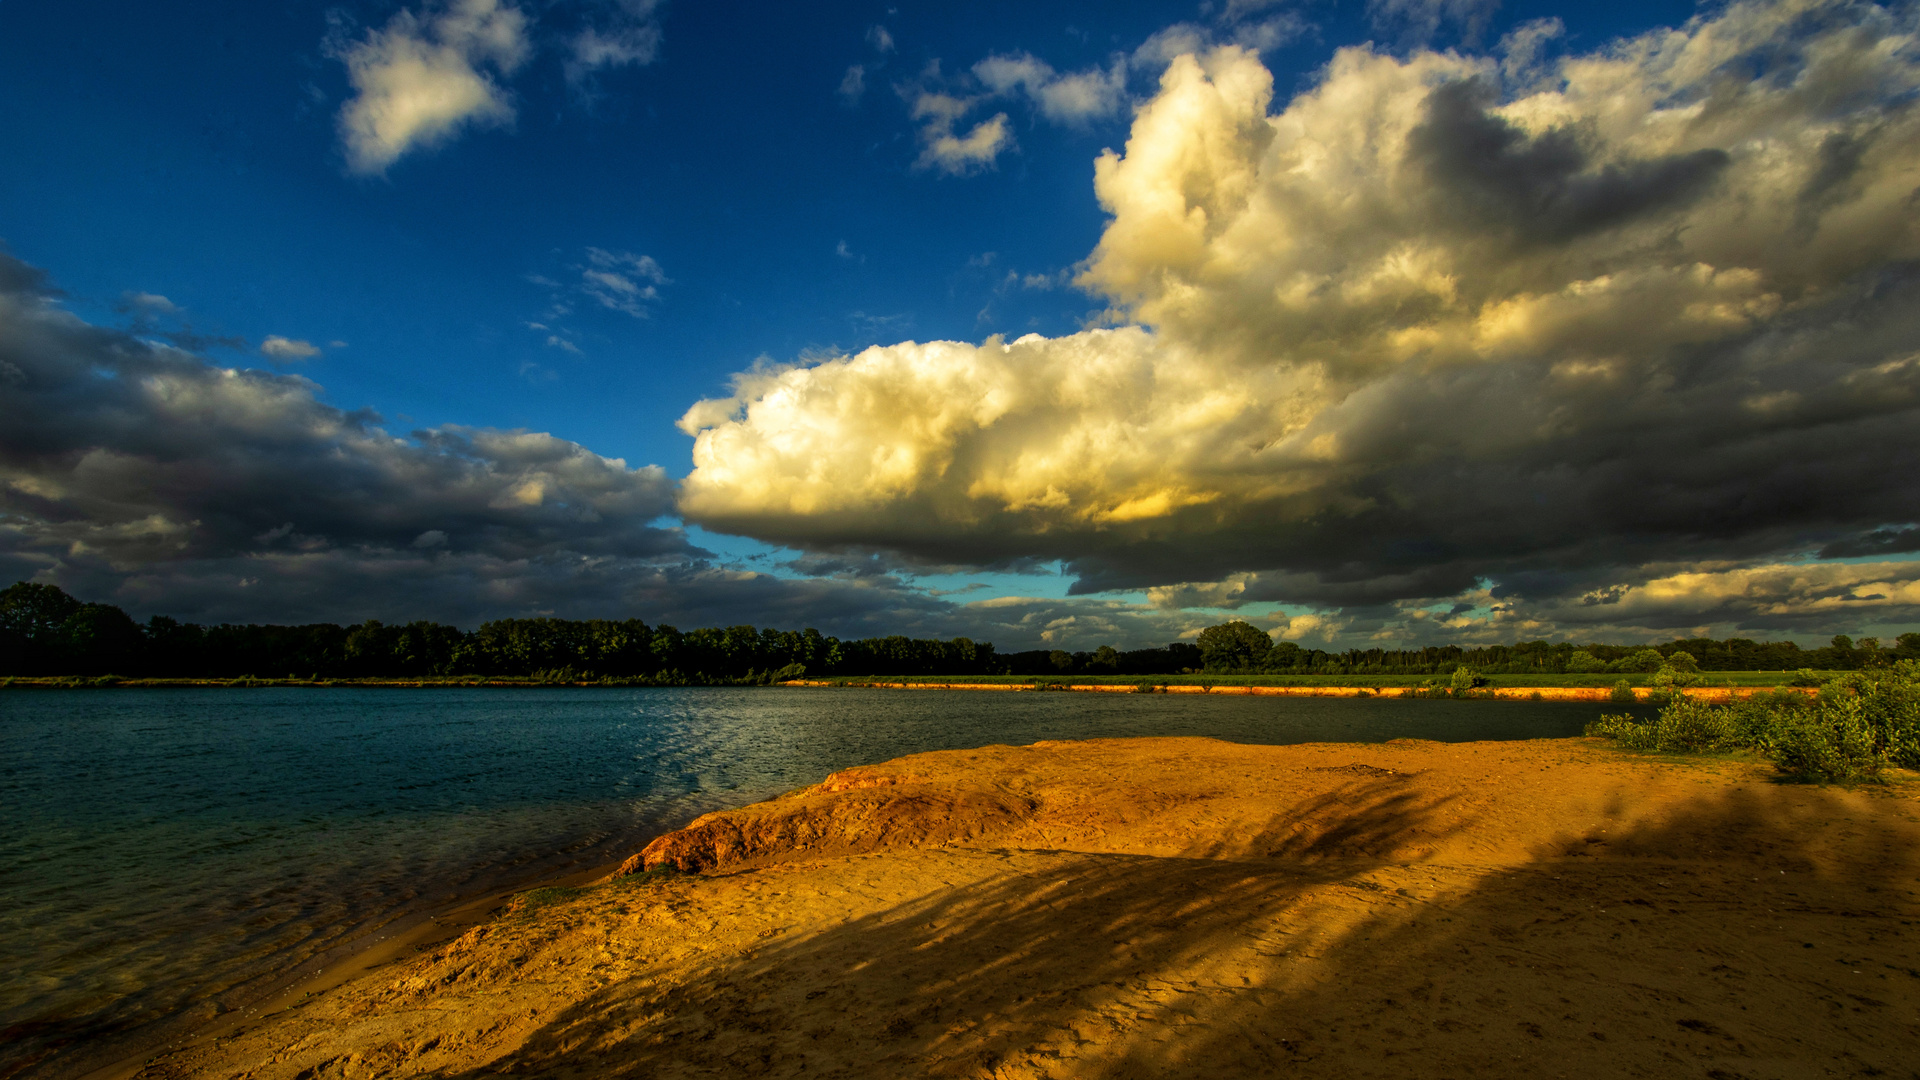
(1182, 907)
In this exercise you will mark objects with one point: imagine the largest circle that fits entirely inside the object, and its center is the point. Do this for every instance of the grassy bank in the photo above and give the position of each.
(1602, 681)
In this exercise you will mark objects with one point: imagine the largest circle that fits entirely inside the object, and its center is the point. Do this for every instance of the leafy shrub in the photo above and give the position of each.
(1643, 661)
(1833, 743)
(1622, 693)
(1583, 662)
(1686, 726)
(1861, 722)
(1669, 679)
(1889, 703)
(1625, 730)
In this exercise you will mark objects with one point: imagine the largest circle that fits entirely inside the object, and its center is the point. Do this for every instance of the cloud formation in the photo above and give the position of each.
(853, 85)
(1073, 98)
(622, 281)
(954, 154)
(136, 470)
(286, 349)
(1440, 320)
(1418, 22)
(941, 104)
(423, 77)
(618, 33)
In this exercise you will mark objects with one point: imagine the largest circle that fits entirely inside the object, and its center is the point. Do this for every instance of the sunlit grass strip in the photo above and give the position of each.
(1708, 680)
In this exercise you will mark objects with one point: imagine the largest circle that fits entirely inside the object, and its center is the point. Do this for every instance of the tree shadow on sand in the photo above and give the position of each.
(1755, 934)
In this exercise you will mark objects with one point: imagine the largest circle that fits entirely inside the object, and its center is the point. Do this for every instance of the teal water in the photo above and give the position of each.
(164, 850)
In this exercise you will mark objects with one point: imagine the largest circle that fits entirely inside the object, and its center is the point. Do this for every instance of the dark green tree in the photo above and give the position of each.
(1234, 646)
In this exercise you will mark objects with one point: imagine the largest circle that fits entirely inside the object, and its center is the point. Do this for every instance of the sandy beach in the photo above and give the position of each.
(1179, 907)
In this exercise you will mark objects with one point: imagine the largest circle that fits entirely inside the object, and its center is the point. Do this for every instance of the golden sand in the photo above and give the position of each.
(1187, 907)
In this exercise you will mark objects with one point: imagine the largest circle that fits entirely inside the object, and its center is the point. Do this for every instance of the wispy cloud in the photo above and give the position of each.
(945, 151)
(619, 33)
(147, 304)
(853, 85)
(1072, 98)
(284, 350)
(1418, 22)
(622, 281)
(611, 280)
(943, 105)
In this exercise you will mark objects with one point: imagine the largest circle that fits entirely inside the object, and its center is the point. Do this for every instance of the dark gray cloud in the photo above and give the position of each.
(1893, 540)
(123, 457)
(1546, 188)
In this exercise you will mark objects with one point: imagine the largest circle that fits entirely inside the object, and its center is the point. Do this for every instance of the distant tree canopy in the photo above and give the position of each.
(44, 631)
(1228, 649)
(1234, 645)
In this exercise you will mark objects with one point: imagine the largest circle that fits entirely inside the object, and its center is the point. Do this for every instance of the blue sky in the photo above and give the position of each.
(613, 236)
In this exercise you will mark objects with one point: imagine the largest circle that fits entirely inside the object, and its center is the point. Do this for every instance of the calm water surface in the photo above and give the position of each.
(167, 853)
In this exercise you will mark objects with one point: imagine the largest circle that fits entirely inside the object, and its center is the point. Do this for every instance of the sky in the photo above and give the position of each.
(1377, 324)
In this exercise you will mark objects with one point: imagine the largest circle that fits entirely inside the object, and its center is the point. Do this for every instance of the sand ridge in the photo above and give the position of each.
(1168, 907)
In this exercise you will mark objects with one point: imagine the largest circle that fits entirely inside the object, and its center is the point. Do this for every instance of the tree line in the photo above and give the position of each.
(46, 632)
(1242, 647)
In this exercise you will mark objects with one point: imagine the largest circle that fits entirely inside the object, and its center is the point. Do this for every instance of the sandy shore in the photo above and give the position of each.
(1186, 907)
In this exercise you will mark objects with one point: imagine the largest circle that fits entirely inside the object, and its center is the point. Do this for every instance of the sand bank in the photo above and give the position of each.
(1183, 907)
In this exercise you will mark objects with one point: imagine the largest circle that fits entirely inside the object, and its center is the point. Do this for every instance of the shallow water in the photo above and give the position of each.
(165, 849)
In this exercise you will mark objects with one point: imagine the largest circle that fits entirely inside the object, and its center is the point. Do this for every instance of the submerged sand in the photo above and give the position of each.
(1187, 907)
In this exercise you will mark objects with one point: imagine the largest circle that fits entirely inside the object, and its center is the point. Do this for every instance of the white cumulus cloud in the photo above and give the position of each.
(1436, 320)
(424, 76)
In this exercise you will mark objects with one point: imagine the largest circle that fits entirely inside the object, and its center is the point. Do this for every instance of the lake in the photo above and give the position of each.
(169, 854)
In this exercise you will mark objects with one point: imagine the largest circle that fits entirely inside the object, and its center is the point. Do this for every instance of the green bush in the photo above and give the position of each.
(1584, 662)
(1833, 743)
(1669, 679)
(1686, 726)
(1644, 661)
(1622, 693)
(1860, 722)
